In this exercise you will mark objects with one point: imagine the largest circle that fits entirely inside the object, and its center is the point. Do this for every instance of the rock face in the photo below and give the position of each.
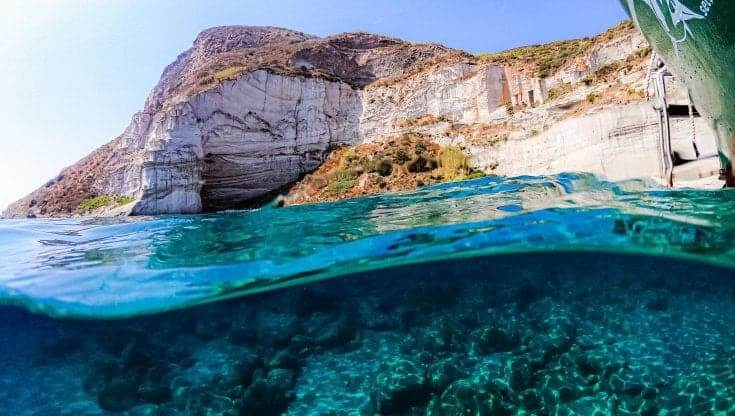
(619, 142)
(244, 112)
(240, 141)
(248, 111)
(461, 93)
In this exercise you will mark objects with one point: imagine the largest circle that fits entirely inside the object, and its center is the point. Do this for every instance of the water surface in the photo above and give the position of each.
(125, 267)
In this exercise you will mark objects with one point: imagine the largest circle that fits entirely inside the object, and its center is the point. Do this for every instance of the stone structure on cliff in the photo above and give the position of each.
(247, 111)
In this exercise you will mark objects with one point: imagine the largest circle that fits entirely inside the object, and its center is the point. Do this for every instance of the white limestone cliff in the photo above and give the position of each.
(250, 135)
(244, 139)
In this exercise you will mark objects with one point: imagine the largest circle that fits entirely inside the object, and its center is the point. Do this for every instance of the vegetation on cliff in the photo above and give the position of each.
(402, 163)
(545, 60)
(103, 201)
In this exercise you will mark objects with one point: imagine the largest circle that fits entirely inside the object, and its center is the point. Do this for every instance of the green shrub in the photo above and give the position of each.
(592, 97)
(420, 147)
(453, 163)
(384, 167)
(605, 71)
(475, 175)
(401, 156)
(557, 92)
(341, 181)
(123, 200)
(91, 204)
(422, 163)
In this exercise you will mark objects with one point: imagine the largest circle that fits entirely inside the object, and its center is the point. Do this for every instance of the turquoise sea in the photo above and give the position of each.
(554, 295)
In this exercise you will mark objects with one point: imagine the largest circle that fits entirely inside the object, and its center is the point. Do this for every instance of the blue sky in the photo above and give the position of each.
(74, 71)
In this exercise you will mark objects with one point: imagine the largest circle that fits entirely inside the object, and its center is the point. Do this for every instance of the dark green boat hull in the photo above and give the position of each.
(696, 39)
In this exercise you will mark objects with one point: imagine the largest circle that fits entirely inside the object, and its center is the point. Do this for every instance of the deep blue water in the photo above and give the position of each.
(532, 295)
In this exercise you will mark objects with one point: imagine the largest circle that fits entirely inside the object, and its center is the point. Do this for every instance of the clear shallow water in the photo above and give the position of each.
(98, 268)
(547, 296)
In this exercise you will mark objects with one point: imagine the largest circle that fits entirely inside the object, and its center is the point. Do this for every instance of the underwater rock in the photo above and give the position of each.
(282, 378)
(338, 333)
(154, 393)
(284, 359)
(60, 346)
(276, 329)
(598, 405)
(472, 397)
(600, 362)
(269, 396)
(179, 355)
(209, 329)
(201, 400)
(146, 410)
(118, 395)
(437, 337)
(489, 340)
(246, 366)
(560, 384)
(242, 336)
(636, 405)
(556, 339)
(620, 385)
(519, 373)
(380, 322)
(444, 373)
(101, 369)
(301, 346)
(136, 355)
(460, 398)
(399, 388)
(707, 387)
(114, 340)
(526, 294)
(407, 319)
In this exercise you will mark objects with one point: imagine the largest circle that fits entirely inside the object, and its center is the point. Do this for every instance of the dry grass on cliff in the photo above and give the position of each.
(545, 60)
(481, 133)
(425, 120)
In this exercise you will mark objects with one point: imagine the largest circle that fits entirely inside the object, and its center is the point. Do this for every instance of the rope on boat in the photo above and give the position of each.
(693, 127)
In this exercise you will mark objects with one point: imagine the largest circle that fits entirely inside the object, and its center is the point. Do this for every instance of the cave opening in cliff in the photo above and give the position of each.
(223, 184)
(242, 181)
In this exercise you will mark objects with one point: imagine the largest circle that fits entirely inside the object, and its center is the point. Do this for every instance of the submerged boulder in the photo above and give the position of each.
(154, 392)
(118, 395)
(270, 395)
(491, 339)
(445, 372)
(399, 388)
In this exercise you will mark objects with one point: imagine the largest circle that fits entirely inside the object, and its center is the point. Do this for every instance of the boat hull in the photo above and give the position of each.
(696, 40)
